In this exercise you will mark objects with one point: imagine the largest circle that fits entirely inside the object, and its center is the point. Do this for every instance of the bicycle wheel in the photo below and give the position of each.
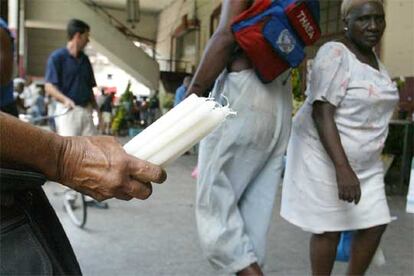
(75, 206)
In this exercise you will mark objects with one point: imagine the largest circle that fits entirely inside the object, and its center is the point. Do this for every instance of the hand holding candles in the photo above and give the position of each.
(178, 130)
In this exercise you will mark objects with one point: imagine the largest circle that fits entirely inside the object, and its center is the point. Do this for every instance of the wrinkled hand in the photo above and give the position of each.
(99, 167)
(349, 188)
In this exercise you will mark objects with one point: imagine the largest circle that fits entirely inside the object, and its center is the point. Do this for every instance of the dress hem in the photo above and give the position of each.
(336, 229)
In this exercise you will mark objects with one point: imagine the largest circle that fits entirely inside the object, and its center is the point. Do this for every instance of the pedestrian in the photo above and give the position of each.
(154, 107)
(106, 113)
(99, 101)
(70, 80)
(240, 163)
(143, 111)
(7, 102)
(334, 179)
(39, 109)
(182, 90)
(18, 96)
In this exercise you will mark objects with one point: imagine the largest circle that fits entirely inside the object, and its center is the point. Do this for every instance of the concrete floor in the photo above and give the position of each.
(158, 236)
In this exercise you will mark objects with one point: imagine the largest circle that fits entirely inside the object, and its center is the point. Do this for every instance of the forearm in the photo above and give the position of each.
(29, 147)
(323, 116)
(214, 60)
(97, 165)
(53, 91)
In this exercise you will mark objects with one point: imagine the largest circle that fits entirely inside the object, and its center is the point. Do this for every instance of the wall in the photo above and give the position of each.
(204, 10)
(170, 18)
(398, 41)
(40, 44)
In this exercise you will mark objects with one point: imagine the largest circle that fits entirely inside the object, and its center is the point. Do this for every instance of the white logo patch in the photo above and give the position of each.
(285, 42)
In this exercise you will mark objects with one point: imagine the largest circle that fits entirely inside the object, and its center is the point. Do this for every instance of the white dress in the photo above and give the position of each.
(365, 99)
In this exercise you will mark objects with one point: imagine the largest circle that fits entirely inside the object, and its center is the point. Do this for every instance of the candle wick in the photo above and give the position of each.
(232, 112)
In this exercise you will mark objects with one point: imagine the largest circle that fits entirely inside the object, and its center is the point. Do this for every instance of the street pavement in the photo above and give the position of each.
(158, 236)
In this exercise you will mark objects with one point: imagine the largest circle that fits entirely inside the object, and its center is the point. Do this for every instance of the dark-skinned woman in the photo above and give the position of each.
(334, 175)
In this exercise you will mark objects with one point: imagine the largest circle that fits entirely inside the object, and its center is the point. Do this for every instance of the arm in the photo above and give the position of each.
(97, 166)
(6, 58)
(53, 91)
(218, 49)
(348, 183)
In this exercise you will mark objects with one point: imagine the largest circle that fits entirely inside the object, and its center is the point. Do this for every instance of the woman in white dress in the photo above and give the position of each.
(334, 175)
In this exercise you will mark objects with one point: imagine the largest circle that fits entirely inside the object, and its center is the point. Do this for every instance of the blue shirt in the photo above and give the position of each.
(6, 91)
(180, 94)
(72, 76)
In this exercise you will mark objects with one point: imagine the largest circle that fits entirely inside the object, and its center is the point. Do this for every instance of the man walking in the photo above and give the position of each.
(182, 90)
(70, 80)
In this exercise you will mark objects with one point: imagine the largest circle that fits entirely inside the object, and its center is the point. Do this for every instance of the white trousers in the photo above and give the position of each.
(77, 122)
(240, 167)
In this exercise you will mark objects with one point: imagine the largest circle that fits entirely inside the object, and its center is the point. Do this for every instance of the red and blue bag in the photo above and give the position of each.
(274, 33)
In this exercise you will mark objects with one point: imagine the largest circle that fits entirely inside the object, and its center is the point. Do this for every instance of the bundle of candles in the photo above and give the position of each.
(178, 130)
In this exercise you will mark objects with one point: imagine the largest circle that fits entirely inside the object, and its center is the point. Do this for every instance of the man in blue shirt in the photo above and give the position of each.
(70, 80)
(182, 90)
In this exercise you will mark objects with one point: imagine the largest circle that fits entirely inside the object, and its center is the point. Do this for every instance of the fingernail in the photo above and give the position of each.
(164, 175)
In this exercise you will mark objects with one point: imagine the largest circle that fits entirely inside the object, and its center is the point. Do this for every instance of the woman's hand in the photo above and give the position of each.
(99, 167)
(349, 188)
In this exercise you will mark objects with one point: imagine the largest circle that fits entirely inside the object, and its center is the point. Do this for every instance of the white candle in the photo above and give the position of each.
(177, 131)
(191, 137)
(172, 117)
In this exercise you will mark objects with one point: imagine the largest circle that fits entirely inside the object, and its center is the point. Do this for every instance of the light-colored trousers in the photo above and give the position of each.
(240, 167)
(76, 122)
